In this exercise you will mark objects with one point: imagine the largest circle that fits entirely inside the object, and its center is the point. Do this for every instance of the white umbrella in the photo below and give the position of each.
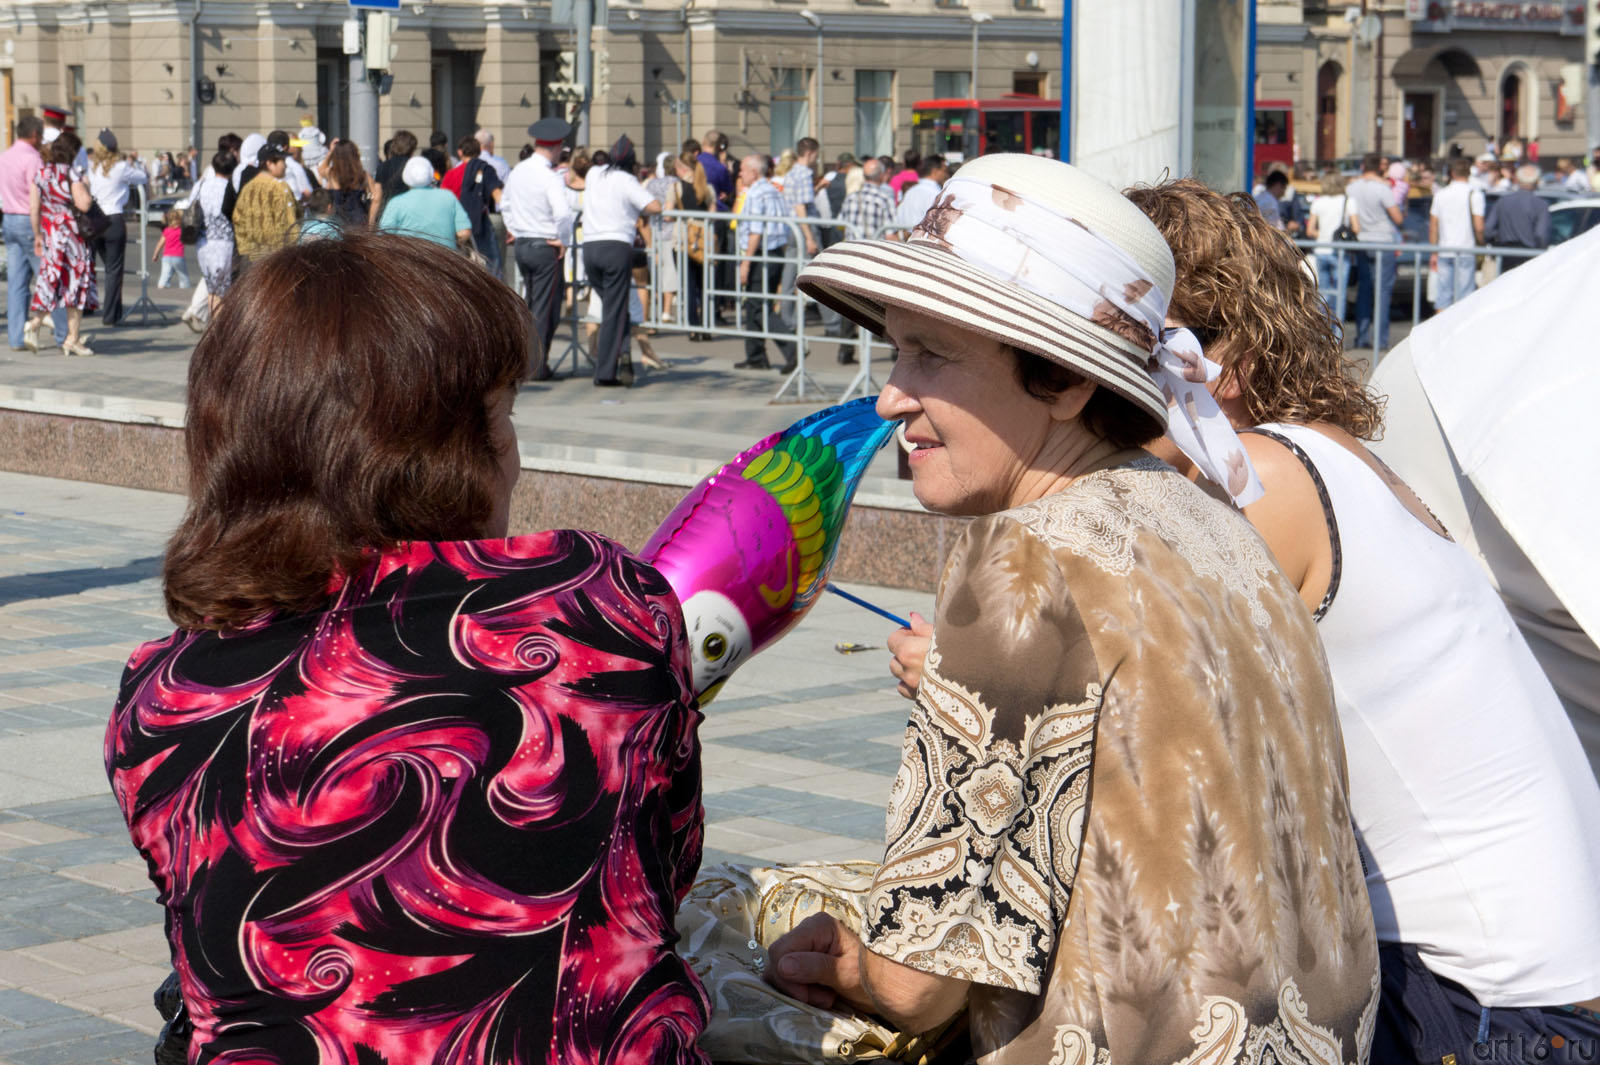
(1492, 419)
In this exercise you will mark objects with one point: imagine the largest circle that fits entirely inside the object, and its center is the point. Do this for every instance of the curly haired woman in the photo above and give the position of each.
(1462, 763)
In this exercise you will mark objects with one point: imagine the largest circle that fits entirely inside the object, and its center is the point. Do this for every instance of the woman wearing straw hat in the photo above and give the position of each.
(1120, 829)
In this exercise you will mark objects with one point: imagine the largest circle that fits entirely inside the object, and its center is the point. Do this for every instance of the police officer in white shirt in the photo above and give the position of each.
(539, 216)
(613, 201)
(111, 174)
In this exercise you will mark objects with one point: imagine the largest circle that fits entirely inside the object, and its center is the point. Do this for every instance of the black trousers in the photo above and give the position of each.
(726, 271)
(1511, 262)
(541, 276)
(765, 278)
(1424, 1019)
(112, 247)
(693, 289)
(609, 264)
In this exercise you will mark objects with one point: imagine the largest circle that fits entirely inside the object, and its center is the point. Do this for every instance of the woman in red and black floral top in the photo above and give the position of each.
(411, 791)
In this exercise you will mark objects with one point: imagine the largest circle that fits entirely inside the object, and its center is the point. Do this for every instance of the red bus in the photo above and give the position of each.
(1274, 136)
(965, 129)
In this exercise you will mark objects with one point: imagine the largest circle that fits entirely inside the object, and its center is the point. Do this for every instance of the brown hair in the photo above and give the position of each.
(64, 149)
(402, 144)
(1242, 287)
(697, 178)
(1107, 415)
(344, 166)
(326, 420)
(468, 147)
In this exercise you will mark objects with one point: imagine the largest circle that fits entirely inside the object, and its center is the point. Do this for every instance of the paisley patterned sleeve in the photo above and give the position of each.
(985, 819)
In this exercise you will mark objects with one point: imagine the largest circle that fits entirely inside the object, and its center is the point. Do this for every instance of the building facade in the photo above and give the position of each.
(1408, 78)
(1416, 78)
(663, 70)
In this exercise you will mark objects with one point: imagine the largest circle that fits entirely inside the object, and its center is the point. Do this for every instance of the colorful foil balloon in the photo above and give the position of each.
(749, 548)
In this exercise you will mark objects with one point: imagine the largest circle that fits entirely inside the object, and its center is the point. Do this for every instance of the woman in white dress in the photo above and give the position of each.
(216, 244)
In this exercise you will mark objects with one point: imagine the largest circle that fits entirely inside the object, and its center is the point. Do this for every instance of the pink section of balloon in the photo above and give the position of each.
(750, 547)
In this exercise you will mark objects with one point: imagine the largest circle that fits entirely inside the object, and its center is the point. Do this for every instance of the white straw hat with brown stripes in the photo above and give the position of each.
(1045, 258)
(938, 273)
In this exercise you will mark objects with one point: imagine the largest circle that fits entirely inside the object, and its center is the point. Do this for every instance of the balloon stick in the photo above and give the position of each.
(858, 601)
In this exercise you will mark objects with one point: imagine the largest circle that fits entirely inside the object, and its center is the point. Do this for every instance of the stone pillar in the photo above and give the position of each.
(620, 106)
(287, 68)
(154, 111)
(509, 78)
(409, 104)
(713, 73)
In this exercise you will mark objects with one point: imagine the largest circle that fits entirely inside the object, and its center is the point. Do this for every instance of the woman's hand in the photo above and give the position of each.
(819, 963)
(909, 647)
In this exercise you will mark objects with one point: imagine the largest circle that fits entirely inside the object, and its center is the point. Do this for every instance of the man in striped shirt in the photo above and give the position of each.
(770, 242)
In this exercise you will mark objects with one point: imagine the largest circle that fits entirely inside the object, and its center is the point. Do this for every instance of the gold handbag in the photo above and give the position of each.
(731, 917)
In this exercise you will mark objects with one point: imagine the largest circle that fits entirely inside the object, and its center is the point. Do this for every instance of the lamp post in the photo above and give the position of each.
(978, 19)
(816, 114)
(196, 121)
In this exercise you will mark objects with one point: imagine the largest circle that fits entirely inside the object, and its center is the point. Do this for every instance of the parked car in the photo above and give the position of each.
(1573, 217)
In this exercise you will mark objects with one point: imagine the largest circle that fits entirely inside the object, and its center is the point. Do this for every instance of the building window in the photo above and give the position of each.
(1027, 83)
(952, 84)
(874, 113)
(1028, 5)
(791, 107)
(75, 95)
(949, 3)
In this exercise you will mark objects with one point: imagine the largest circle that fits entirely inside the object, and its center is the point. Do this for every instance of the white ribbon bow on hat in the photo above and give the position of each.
(1194, 420)
(1026, 244)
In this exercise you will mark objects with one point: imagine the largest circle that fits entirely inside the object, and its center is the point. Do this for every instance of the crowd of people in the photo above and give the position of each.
(1492, 200)
(674, 261)
(63, 207)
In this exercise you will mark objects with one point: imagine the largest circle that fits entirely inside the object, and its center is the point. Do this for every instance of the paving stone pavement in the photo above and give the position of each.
(800, 751)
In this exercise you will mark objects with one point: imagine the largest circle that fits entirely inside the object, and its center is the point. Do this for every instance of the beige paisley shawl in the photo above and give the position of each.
(1121, 810)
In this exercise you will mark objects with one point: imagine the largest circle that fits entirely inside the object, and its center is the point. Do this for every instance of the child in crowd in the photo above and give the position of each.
(170, 251)
(319, 222)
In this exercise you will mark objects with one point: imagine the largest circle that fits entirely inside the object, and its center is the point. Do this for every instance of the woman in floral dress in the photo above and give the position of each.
(66, 265)
(216, 245)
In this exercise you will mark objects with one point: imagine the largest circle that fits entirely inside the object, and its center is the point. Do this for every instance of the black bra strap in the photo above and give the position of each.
(1327, 514)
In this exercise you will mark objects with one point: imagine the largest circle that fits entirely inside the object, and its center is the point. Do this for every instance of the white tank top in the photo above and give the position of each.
(1477, 813)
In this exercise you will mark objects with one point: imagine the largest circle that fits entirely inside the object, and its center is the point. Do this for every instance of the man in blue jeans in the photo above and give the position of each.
(19, 165)
(1376, 218)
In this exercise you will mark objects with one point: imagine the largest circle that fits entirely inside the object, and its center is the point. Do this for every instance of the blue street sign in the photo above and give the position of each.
(376, 5)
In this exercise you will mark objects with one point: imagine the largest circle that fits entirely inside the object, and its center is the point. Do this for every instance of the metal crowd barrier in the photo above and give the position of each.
(1341, 256)
(719, 273)
(144, 306)
(783, 314)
